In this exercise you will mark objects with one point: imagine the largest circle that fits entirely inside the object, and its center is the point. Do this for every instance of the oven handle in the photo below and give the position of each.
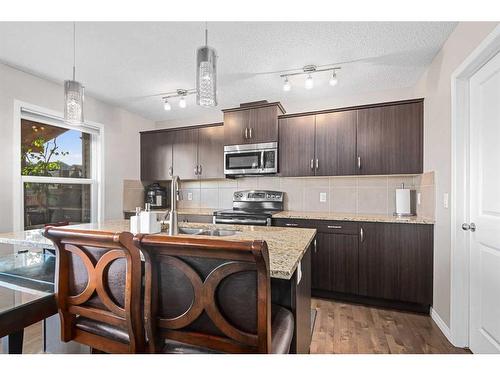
(240, 221)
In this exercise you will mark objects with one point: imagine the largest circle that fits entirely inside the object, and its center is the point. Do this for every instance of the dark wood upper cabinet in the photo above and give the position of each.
(390, 139)
(296, 146)
(396, 262)
(252, 123)
(335, 144)
(156, 156)
(236, 125)
(211, 152)
(185, 149)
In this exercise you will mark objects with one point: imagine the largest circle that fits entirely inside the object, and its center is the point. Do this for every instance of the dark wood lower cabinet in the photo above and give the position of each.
(396, 262)
(389, 264)
(335, 263)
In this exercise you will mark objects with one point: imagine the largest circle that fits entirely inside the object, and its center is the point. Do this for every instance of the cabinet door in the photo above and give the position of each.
(263, 125)
(156, 156)
(335, 263)
(390, 139)
(211, 152)
(236, 125)
(336, 144)
(395, 262)
(185, 149)
(296, 146)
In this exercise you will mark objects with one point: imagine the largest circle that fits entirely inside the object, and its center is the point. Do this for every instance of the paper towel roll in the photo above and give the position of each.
(405, 202)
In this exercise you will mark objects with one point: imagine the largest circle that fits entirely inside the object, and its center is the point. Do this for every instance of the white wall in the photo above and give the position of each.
(121, 159)
(435, 86)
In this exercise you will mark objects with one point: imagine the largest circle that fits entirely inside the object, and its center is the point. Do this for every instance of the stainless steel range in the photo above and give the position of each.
(251, 207)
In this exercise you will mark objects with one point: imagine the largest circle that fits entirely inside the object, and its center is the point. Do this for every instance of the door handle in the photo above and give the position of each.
(471, 227)
(317, 163)
(361, 235)
(359, 162)
(312, 163)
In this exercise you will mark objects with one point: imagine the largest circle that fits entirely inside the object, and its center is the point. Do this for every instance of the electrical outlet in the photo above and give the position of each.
(322, 197)
(190, 196)
(445, 200)
(419, 198)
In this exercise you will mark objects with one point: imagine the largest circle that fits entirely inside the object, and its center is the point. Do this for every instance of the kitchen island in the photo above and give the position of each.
(289, 256)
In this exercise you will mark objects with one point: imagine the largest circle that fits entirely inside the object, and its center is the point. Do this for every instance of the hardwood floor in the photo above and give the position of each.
(344, 328)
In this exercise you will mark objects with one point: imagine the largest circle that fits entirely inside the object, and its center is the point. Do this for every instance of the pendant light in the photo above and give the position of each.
(73, 93)
(206, 75)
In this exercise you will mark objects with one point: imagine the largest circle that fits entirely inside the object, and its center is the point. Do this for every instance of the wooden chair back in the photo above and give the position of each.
(99, 277)
(207, 292)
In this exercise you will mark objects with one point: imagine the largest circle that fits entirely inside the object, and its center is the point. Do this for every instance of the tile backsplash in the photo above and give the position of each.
(358, 194)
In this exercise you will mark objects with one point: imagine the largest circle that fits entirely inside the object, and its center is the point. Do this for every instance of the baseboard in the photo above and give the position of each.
(442, 325)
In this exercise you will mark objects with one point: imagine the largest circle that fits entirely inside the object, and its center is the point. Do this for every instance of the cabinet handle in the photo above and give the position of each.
(246, 133)
(334, 226)
(312, 163)
(196, 171)
(291, 225)
(200, 169)
(359, 162)
(251, 133)
(361, 235)
(317, 163)
(170, 171)
(315, 247)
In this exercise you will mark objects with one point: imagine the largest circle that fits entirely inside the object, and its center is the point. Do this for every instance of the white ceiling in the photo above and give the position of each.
(125, 63)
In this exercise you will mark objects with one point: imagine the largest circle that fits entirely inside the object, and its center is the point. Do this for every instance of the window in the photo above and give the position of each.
(59, 172)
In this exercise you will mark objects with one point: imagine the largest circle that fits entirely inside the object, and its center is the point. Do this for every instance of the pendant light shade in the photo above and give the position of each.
(73, 93)
(206, 75)
(73, 102)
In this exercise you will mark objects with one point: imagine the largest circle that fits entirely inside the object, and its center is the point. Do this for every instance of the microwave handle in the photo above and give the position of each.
(262, 161)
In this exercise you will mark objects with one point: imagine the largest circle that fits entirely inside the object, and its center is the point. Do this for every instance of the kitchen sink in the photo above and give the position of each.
(207, 232)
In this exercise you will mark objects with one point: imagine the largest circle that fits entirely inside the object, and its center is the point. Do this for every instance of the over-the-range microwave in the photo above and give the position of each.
(251, 159)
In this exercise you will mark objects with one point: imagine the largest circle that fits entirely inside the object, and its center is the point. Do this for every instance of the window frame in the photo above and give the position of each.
(96, 181)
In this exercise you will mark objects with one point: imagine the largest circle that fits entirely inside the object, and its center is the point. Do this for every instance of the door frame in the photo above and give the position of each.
(460, 128)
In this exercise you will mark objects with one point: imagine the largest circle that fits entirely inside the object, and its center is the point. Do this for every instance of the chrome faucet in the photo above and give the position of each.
(173, 225)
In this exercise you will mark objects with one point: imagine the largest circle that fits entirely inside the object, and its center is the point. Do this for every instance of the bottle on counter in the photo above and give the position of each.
(149, 221)
(135, 222)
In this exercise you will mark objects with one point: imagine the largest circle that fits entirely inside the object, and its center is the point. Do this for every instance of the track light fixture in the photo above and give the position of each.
(179, 93)
(309, 70)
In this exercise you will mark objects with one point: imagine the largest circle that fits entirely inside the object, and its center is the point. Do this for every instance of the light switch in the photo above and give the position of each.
(322, 197)
(190, 196)
(445, 200)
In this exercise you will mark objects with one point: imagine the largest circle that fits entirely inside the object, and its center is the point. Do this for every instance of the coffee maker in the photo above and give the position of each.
(156, 195)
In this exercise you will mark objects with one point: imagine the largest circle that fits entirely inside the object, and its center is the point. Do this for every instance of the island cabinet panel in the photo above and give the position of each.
(335, 144)
(185, 159)
(211, 152)
(390, 139)
(156, 156)
(396, 262)
(296, 146)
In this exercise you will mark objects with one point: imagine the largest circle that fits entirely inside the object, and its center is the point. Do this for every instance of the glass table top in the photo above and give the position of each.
(25, 278)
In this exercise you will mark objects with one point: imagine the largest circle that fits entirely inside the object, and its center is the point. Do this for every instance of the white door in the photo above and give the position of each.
(485, 208)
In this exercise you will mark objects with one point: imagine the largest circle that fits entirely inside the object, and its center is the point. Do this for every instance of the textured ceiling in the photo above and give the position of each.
(125, 63)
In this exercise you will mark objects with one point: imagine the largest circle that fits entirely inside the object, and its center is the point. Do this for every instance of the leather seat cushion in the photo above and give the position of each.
(102, 329)
(282, 327)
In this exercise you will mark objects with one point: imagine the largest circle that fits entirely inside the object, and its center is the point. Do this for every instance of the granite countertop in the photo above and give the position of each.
(184, 211)
(286, 245)
(352, 217)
